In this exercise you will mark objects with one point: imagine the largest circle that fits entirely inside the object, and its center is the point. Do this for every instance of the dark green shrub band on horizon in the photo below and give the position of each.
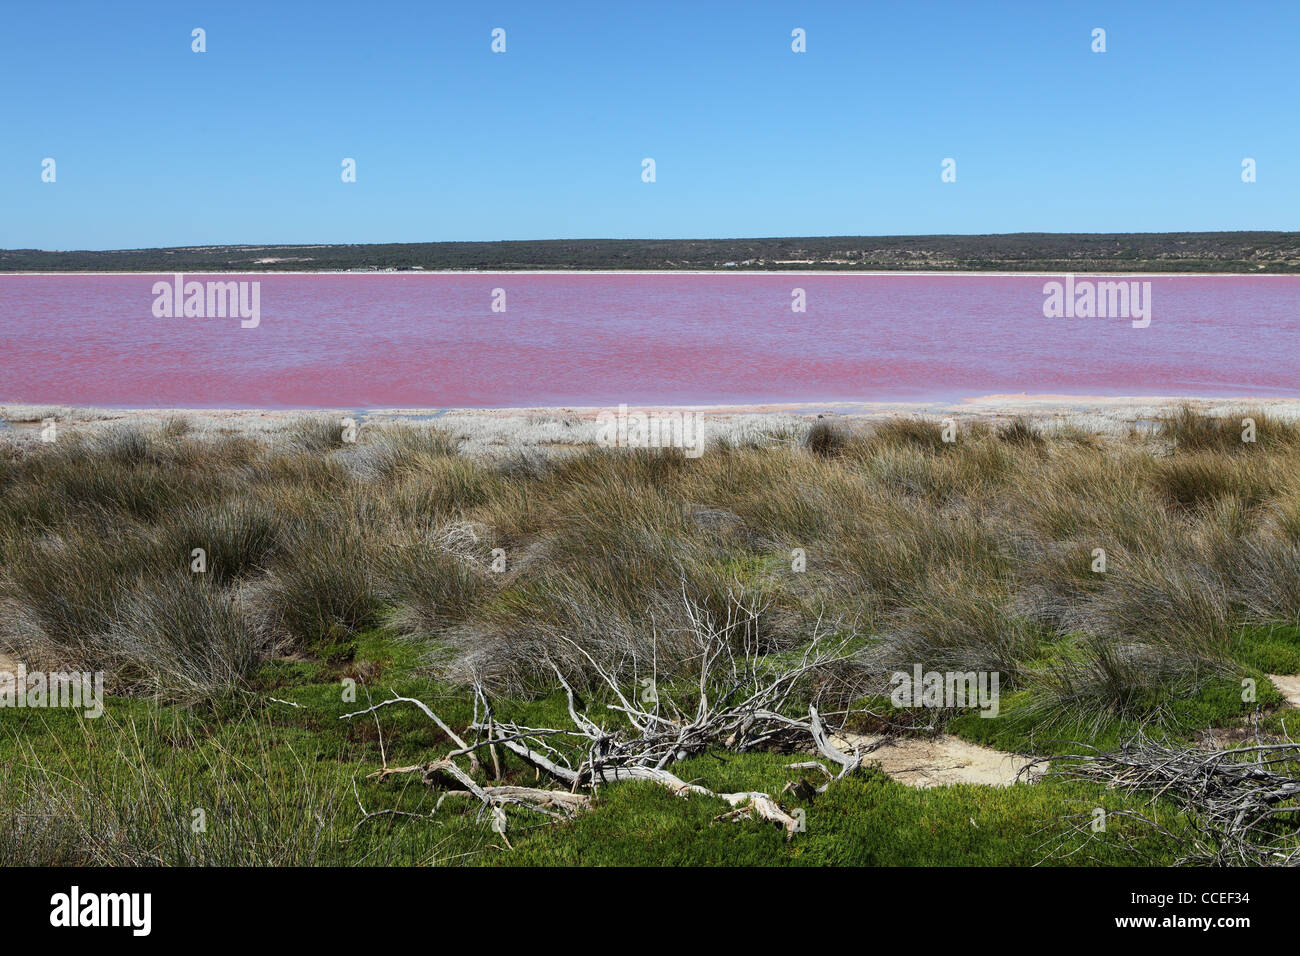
(1172, 252)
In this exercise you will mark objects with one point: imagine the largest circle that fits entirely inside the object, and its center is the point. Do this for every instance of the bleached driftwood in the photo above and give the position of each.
(743, 699)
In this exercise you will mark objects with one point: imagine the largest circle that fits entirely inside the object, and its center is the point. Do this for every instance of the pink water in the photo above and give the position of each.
(412, 340)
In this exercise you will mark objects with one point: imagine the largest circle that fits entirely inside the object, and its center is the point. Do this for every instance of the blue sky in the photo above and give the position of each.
(156, 145)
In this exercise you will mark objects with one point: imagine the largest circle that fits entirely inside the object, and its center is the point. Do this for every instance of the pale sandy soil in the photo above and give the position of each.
(940, 761)
(1289, 686)
(508, 431)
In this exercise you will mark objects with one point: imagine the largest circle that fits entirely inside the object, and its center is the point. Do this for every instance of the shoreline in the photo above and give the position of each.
(501, 432)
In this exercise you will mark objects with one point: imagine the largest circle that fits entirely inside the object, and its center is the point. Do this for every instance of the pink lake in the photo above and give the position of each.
(432, 340)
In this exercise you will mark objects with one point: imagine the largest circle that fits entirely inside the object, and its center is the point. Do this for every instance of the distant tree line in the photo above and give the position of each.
(1243, 252)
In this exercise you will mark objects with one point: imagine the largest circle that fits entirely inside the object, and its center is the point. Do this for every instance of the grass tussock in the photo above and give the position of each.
(1081, 570)
(1189, 430)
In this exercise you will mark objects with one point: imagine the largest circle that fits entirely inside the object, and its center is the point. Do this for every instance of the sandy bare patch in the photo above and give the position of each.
(941, 761)
(1288, 685)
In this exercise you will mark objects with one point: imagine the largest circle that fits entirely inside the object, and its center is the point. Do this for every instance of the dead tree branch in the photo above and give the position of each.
(1243, 803)
(742, 702)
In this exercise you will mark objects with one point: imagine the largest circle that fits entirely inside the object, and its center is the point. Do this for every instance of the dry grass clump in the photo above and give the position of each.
(958, 622)
(915, 433)
(239, 536)
(315, 434)
(180, 635)
(1190, 430)
(401, 448)
(978, 554)
(324, 588)
(434, 578)
(1021, 431)
(62, 591)
(100, 565)
(825, 440)
(1098, 677)
(1266, 580)
(1174, 599)
(1199, 478)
